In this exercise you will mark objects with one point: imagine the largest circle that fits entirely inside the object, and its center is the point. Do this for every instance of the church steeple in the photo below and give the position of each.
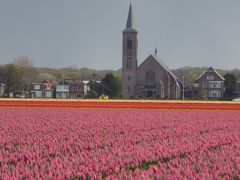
(130, 22)
(129, 57)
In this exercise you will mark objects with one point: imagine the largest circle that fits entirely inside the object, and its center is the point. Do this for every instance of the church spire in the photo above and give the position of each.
(156, 51)
(130, 22)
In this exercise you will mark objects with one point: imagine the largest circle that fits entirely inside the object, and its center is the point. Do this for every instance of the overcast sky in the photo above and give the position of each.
(88, 33)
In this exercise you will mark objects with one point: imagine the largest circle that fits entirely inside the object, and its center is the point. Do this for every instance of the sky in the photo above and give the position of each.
(88, 33)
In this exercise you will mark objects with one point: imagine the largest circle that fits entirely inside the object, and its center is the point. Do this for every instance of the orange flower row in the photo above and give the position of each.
(124, 105)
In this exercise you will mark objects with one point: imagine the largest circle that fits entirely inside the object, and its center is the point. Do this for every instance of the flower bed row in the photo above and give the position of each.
(70, 143)
(124, 104)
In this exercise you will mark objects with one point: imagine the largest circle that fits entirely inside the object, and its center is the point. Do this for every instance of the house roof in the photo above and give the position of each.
(37, 83)
(211, 69)
(72, 81)
(49, 81)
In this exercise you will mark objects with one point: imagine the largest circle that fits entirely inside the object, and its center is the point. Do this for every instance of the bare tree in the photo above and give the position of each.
(28, 72)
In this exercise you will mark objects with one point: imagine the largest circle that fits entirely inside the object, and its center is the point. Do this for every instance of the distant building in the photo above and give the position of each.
(37, 90)
(45, 89)
(62, 90)
(70, 88)
(209, 85)
(152, 78)
(76, 88)
(2, 90)
(49, 88)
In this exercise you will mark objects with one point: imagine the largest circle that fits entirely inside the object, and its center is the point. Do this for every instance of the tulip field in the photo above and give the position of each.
(119, 140)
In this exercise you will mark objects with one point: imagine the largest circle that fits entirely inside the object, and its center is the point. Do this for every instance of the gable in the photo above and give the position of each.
(154, 62)
(210, 75)
(149, 63)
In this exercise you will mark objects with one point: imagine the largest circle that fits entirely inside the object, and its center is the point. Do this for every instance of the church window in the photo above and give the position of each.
(129, 63)
(129, 53)
(129, 44)
(150, 76)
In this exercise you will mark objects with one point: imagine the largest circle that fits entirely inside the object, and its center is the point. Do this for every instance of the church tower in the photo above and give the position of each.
(129, 58)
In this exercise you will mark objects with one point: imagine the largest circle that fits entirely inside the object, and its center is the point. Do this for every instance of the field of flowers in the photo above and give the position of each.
(152, 142)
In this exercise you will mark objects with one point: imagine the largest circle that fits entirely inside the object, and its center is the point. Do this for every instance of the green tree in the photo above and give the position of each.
(95, 89)
(111, 85)
(11, 77)
(230, 85)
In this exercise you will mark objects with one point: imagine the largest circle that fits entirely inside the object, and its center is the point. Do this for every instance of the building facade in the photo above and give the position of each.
(62, 91)
(45, 89)
(37, 90)
(152, 79)
(210, 85)
(70, 88)
(76, 88)
(49, 88)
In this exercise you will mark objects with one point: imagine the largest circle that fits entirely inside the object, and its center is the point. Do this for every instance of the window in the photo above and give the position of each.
(196, 85)
(37, 86)
(129, 63)
(61, 88)
(214, 93)
(48, 94)
(38, 94)
(150, 77)
(47, 86)
(129, 53)
(214, 84)
(129, 89)
(210, 77)
(129, 44)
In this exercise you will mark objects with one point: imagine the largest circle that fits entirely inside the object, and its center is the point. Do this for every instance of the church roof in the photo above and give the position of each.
(164, 65)
(130, 21)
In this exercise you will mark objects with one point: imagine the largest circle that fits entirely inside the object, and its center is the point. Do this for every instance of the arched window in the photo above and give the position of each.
(150, 77)
(129, 63)
(129, 44)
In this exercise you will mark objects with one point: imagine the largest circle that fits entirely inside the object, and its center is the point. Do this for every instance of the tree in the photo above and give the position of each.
(230, 85)
(10, 74)
(28, 72)
(111, 85)
(95, 89)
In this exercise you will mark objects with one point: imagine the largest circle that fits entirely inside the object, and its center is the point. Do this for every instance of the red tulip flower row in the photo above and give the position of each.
(71, 143)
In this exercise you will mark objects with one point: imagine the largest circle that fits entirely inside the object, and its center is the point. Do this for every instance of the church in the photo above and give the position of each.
(151, 79)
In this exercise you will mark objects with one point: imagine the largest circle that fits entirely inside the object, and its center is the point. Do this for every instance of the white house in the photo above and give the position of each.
(62, 91)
